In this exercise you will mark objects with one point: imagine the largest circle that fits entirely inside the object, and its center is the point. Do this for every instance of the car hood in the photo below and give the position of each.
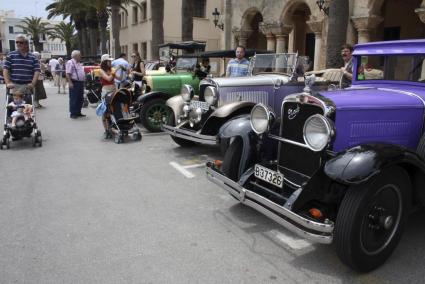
(376, 97)
(257, 80)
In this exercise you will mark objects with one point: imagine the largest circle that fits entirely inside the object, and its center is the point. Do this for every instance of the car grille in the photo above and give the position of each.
(250, 96)
(297, 158)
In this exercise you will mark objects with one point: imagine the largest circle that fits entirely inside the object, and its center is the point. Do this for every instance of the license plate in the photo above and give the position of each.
(198, 104)
(268, 175)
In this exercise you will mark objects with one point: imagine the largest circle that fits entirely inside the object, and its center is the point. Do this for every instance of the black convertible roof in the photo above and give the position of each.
(185, 45)
(223, 53)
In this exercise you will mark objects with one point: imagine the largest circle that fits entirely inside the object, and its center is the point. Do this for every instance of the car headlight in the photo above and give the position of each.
(187, 92)
(261, 118)
(210, 95)
(317, 132)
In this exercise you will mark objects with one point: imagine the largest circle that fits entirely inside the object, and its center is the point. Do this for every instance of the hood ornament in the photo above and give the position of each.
(309, 82)
(292, 113)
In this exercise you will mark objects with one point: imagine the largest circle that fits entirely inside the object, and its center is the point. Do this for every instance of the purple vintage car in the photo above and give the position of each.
(347, 165)
(198, 119)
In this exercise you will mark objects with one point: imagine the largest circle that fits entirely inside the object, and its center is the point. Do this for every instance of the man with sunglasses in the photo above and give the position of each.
(21, 68)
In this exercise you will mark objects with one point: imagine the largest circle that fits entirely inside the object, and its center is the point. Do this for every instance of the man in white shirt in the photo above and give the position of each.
(52, 67)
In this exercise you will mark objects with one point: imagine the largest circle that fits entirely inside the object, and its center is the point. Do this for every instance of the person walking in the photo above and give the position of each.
(122, 69)
(61, 73)
(137, 71)
(347, 70)
(52, 67)
(75, 77)
(238, 67)
(39, 91)
(21, 69)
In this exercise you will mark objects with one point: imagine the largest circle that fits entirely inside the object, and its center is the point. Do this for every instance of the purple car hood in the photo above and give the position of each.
(377, 97)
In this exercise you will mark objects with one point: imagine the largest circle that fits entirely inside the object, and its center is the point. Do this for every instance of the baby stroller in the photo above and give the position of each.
(93, 87)
(119, 120)
(24, 128)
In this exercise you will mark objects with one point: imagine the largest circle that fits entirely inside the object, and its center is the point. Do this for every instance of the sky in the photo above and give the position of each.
(27, 8)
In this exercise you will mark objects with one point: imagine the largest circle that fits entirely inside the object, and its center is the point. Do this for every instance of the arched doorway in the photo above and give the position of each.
(250, 29)
(400, 20)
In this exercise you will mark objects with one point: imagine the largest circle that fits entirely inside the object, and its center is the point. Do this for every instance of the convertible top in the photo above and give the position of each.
(185, 45)
(222, 53)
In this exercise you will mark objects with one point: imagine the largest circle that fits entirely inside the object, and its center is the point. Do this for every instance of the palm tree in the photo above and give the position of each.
(35, 28)
(116, 5)
(187, 20)
(157, 10)
(337, 30)
(93, 28)
(64, 32)
(76, 11)
(101, 7)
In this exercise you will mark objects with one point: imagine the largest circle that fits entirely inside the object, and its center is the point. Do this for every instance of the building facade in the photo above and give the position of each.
(299, 25)
(9, 30)
(136, 26)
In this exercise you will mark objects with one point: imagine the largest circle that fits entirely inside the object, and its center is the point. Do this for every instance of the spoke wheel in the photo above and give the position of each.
(153, 114)
(370, 219)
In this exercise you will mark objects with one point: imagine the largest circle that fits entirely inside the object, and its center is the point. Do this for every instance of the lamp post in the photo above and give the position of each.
(323, 5)
(216, 15)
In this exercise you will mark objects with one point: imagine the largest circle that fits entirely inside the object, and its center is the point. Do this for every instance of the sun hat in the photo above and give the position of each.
(105, 57)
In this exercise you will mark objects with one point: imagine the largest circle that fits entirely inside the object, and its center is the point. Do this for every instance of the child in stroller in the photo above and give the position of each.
(118, 120)
(19, 119)
(21, 111)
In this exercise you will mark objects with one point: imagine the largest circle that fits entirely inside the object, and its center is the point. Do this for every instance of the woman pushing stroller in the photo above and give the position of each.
(107, 79)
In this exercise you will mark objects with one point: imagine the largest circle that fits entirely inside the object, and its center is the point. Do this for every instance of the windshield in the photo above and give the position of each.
(273, 63)
(186, 63)
(410, 68)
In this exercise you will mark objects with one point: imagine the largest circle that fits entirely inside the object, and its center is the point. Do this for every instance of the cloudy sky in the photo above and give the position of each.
(27, 8)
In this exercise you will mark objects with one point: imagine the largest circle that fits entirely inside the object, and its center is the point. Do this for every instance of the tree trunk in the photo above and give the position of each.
(337, 32)
(187, 20)
(93, 29)
(103, 24)
(116, 25)
(79, 28)
(157, 8)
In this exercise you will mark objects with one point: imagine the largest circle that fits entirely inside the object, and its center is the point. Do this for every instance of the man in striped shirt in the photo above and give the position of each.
(238, 67)
(21, 68)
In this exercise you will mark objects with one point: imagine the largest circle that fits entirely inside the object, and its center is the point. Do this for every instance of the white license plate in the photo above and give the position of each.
(268, 175)
(198, 104)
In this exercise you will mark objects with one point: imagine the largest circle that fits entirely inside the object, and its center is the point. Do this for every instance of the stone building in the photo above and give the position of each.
(136, 26)
(299, 26)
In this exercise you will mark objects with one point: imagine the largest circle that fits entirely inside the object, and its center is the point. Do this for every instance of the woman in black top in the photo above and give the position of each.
(137, 71)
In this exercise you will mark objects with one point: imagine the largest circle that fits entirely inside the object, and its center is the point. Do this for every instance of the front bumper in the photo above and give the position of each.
(306, 228)
(190, 135)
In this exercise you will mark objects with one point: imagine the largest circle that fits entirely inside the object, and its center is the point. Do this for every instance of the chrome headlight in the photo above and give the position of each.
(187, 92)
(317, 132)
(261, 118)
(210, 95)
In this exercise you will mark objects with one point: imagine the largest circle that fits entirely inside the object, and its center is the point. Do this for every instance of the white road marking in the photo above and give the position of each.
(290, 241)
(194, 166)
(182, 170)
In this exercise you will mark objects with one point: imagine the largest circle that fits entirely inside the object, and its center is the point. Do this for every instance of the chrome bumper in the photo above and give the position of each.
(306, 228)
(190, 135)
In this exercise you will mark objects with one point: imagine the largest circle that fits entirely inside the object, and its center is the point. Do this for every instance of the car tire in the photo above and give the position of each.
(370, 219)
(232, 160)
(179, 141)
(151, 110)
(420, 150)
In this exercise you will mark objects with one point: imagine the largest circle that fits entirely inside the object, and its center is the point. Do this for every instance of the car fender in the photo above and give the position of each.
(152, 95)
(222, 114)
(240, 127)
(176, 104)
(359, 164)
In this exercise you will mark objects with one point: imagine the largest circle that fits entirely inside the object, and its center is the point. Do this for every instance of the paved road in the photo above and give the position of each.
(84, 210)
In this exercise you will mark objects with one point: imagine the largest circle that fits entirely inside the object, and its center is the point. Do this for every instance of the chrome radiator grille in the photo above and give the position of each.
(251, 96)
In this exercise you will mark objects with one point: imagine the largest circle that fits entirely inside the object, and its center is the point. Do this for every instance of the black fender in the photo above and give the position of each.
(240, 127)
(358, 164)
(152, 95)
(223, 114)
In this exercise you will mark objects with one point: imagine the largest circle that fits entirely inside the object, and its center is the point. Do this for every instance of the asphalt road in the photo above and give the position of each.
(85, 210)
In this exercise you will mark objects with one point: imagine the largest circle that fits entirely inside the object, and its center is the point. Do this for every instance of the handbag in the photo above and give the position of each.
(101, 108)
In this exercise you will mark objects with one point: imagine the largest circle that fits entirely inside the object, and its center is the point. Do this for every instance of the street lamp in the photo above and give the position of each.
(323, 6)
(216, 15)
